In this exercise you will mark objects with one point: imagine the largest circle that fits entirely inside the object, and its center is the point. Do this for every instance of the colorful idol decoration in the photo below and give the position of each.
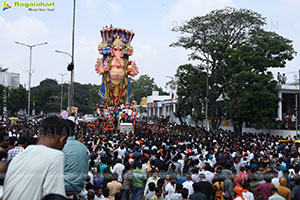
(115, 66)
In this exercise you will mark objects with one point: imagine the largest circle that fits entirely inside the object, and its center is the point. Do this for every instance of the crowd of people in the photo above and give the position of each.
(53, 158)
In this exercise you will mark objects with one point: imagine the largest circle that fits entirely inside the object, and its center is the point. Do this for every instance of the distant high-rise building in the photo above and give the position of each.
(11, 80)
(14, 80)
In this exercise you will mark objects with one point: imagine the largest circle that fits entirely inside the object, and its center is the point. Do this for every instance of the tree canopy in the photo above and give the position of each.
(16, 100)
(46, 96)
(238, 53)
(190, 91)
(143, 87)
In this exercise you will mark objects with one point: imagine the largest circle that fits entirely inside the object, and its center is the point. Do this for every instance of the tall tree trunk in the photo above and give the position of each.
(214, 123)
(219, 123)
(238, 127)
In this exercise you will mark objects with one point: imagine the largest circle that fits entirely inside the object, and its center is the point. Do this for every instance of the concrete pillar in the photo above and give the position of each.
(279, 112)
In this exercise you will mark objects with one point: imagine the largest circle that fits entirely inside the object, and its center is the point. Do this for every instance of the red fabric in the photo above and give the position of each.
(239, 192)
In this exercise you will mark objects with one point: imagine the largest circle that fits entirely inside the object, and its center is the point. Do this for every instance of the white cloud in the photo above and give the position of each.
(27, 30)
(183, 10)
(86, 45)
(115, 8)
(86, 54)
(24, 28)
(141, 51)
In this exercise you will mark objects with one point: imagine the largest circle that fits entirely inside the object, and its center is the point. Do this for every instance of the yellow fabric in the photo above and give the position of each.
(283, 190)
(219, 192)
(296, 141)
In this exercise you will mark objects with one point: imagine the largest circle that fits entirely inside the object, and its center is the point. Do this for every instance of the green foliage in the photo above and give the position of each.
(208, 36)
(190, 91)
(143, 87)
(247, 77)
(253, 98)
(47, 96)
(2, 92)
(16, 100)
(239, 52)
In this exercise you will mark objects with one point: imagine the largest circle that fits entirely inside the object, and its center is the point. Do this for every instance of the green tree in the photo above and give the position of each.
(47, 96)
(86, 97)
(231, 41)
(17, 99)
(2, 93)
(250, 88)
(48, 93)
(190, 91)
(143, 87)
(253, 98)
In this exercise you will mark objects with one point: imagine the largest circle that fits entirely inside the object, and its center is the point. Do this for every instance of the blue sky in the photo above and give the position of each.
(151, 20)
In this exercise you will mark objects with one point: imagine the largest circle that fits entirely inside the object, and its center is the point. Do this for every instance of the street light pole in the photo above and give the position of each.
(69, 93)
(72, 71)
(29, 82)
(206, 100)
(171, 93)
(297, 110)
(30, 63)
(61, 90)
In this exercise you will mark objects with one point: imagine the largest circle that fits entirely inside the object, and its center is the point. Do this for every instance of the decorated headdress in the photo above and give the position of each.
(109, 34)
(112, 37)
(128, 46)
(102, 45)
(117, 42)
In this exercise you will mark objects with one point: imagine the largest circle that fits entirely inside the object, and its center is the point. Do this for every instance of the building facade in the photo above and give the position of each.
(160, 105)
(289, 95)
(9, 79)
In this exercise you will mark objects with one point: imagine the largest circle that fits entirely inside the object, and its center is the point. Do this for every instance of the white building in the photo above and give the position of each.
(288, 94)
(160, 106)
(8, 79)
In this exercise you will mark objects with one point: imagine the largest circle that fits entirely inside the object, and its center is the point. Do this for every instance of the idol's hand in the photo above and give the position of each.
(99, 66)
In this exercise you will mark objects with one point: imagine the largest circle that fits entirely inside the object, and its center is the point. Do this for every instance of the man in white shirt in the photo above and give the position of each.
(238, 163)
(18, 149)
(121, 152)
(246, 194)
(275, 195)
(119, 168)
(177, 194)
(39, 170)
(188, 184)
(275, 179)
(170, 188)
(208, 174)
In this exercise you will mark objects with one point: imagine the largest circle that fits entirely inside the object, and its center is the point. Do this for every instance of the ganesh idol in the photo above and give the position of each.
(115, 66)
